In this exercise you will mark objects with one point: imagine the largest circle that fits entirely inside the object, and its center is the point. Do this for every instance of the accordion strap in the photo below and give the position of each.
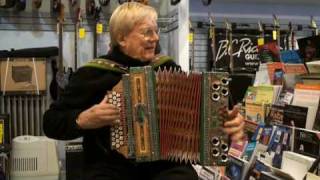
(113, 66)
(107, 65)
(159, 60)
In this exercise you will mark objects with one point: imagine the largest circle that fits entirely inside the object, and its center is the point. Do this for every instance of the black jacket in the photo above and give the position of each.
(87, 87)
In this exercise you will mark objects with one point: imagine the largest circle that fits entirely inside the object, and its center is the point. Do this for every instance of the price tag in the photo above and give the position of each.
(82, 33)
(260, 41)
(99, 28)
(191, 37)
(274, 35)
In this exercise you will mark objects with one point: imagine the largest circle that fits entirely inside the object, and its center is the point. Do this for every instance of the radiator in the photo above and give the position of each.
(26, 113)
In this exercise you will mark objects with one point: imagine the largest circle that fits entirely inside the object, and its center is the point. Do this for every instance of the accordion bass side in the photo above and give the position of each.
(171, 115)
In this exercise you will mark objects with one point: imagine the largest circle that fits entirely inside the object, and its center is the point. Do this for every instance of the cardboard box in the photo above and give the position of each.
(23, 76)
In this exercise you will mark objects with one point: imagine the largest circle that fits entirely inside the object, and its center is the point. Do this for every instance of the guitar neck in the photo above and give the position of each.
(60, 66)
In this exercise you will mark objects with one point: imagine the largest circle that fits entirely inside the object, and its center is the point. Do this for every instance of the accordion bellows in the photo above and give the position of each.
(171, 115)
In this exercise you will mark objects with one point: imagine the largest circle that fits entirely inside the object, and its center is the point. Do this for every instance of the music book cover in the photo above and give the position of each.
(275, 116)
(295, 69)
(236, 168)
(237, 148)
(276, 72)
(250, 128)
(255, 112)
(309, 48)
(295, 116)
(316, 125)
(247, 155)
(307, 143)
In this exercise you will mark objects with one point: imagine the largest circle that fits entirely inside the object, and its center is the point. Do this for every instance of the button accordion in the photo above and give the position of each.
(171, 115)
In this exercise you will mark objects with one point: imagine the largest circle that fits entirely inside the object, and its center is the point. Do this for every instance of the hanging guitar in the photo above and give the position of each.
(314, 27)
(36, 4)
(191, 42)
(98, 28)
(276, 30)
(76, 32)
(212, 43)
(62, 77)
(57, 67)
(228, 28)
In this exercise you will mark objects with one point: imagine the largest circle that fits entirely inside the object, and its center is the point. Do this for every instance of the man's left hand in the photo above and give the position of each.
(234, 123)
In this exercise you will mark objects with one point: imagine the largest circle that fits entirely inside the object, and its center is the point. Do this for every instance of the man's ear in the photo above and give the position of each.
(122, 41)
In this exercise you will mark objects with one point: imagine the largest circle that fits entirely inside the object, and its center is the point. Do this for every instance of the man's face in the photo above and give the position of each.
(141, 42)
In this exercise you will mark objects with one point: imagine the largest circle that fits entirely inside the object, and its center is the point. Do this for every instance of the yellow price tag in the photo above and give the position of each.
(1, 133)
(82, 33)
(191, 37)
(260, 41)
(99, 27)
(274, 35)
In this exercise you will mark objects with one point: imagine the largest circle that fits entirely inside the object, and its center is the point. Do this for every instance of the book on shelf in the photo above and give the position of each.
(295, 116)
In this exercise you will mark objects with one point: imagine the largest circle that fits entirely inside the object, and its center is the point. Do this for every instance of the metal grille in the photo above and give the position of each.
(26, 113)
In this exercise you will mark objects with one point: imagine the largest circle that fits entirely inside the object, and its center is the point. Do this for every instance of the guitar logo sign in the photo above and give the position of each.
(245, 51)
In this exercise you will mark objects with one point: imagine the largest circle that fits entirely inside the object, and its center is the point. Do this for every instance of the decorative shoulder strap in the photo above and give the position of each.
(107, 65)
(159, 60)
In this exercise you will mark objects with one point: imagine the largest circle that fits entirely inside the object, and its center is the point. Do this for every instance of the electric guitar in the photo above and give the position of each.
(191, 42)
(276, 30)
(97, 12)
(314, 27)
(36, 4)
(228, 28)
(212, 37)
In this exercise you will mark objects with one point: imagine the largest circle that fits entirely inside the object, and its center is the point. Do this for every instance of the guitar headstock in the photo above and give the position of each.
(313, 26)
(260, 27)
(227, 25)
(276, 22)
(211, 25)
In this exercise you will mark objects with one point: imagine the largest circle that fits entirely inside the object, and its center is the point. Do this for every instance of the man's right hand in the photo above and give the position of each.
(99, 115)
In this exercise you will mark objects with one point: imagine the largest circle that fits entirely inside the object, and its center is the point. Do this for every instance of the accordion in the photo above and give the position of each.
(171, 115)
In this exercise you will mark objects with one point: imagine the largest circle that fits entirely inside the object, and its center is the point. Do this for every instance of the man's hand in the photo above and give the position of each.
(99, 115)
(234, 122)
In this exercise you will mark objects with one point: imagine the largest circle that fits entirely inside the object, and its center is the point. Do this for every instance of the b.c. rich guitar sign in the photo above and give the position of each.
(245, 51)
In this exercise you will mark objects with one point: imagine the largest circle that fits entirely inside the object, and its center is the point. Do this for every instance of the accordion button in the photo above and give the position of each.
(215, 152)
(120, 128)
(117, 135)
(110, 101)
(215, 141)
(118, 95)
(121, 138)
(118, 99)
(109, 96)
(117, 140)
(224, 147)
(117, 145)
(114, 93)
(113, 143)
(121, 133)
(113, 134)
(121, 143)
(119, 105)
